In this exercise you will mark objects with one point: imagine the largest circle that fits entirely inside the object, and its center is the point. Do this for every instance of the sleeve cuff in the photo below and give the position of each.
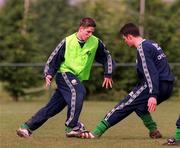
(108, 75)
(153, 95)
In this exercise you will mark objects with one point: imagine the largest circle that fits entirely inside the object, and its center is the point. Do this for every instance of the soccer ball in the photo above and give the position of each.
(81, 126)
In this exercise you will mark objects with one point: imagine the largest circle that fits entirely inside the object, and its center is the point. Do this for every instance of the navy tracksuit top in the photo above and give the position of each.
(57, 57)
(152, 66)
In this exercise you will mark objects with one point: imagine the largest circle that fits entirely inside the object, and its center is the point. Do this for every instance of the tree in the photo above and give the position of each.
(51, 21)
(16, 48)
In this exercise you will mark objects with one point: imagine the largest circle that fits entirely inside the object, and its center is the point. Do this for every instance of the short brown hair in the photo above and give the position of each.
(129, 28)
(87, 22)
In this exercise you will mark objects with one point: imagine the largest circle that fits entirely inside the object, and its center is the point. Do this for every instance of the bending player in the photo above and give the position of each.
(155, 85)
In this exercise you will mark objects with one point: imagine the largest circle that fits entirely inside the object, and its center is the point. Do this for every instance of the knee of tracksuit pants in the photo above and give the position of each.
(74, 113)
(54, 106)
(78, 102)
(142, 110)
(119, 114)
(165, 91)
(116, 118)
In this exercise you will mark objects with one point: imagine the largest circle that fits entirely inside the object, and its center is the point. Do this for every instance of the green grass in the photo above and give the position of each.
(129, 133)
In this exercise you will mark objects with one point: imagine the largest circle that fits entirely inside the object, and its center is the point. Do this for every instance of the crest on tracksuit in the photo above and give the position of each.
(74, 82)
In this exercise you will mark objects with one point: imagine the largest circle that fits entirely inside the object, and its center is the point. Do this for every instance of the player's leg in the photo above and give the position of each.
(118, 113)
(149, 123)
(165, 90)
(54, 106)
(74, 93)
(142, 112)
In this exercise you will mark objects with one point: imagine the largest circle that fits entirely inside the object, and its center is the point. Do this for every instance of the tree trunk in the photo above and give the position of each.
(15, 98)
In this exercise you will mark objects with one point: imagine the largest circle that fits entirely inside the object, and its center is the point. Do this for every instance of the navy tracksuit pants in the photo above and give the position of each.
(70, 92)
(136, 101)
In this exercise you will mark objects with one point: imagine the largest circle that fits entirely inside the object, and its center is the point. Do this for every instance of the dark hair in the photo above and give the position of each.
(87, 22)
(129, 28)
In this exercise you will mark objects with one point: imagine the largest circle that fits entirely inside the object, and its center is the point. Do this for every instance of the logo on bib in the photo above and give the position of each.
(74, 82)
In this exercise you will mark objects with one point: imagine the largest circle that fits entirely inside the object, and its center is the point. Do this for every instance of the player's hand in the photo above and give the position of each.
(152, 103)
(48, 80)
(107, 82)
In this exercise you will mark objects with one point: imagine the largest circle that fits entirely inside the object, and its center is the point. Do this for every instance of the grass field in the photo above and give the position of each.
(130, 133)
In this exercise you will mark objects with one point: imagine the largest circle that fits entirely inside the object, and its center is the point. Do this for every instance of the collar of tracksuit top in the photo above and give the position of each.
(79, 60)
